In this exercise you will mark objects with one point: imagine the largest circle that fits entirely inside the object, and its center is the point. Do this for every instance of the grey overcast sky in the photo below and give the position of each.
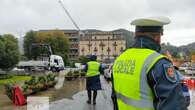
(20, 16)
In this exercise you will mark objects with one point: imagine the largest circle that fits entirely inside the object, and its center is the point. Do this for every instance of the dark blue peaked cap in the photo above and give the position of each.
(149, 29)
(93, 57)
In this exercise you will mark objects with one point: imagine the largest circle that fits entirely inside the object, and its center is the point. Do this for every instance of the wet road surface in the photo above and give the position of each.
(104, 101)
(72, 96)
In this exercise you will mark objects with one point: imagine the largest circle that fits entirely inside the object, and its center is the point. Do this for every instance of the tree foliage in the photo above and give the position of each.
(83, 59)
(56, 39)
(29, 39)
(9, 50)
(172, 49)
(185, 51)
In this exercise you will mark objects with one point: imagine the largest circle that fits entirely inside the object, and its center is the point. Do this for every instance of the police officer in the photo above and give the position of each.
(143, 79)
(93, 69)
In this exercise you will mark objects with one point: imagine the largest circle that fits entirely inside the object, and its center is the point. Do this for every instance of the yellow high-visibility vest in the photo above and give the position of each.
(130, 71)
(93, 68)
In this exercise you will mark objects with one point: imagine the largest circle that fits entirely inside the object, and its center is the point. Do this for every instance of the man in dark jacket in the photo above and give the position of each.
(93, 69)
(160, 79)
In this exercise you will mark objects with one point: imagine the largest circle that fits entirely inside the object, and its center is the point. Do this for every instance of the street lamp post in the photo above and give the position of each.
(83, 51)
(108, 50)
(115, 45)
(89, 45)
(102, 47)
(95, 50)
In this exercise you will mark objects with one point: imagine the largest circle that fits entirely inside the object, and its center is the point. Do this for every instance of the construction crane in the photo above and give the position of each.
(68, 14)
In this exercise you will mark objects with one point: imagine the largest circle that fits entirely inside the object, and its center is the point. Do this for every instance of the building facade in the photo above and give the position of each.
(105, 45)
(73, 38)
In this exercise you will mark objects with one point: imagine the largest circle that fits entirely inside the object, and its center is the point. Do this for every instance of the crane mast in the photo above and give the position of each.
(68, 14)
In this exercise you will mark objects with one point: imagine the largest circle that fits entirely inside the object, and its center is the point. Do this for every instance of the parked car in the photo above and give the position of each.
(108, 72)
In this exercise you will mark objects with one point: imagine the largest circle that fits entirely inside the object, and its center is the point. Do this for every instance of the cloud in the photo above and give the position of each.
(19, 16)
(179, 36)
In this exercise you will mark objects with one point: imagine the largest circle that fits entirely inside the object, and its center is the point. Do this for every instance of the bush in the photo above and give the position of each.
(8, 90)
(42, 83)
(26, 90)
(76, 74)
(51, 80)
(69, 76)
(83, 73)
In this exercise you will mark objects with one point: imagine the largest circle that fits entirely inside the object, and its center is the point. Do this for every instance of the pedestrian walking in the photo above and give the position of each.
(93, 69)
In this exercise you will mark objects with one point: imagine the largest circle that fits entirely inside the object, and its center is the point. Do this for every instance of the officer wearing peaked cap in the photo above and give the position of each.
(143, 79)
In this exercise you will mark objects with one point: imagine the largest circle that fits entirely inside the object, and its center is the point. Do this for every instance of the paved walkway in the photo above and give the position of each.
(192, 104)
(78, 102)
(104, 101)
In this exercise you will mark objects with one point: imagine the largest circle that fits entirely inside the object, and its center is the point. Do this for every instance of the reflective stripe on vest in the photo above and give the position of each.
(93, 68)
(145, 101)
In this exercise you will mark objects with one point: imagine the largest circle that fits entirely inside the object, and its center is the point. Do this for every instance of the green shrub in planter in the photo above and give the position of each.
(33, 81)
(51, 77)
(76, 74)
(83, 73)
(32, 84)
(26, 90)
(8, 90)
(42, 83)
(69, 76)
(51, 80)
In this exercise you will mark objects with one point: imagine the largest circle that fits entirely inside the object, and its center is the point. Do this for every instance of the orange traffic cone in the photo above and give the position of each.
(18, 97)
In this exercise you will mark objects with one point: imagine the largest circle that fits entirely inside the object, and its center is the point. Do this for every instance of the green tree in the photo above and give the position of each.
(29, 39)
(9, 49)
(172, 49)
(83, 59)
(56, 39)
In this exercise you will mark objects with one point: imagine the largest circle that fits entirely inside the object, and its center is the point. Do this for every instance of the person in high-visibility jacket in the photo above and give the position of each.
(143, 79)
(93, 69)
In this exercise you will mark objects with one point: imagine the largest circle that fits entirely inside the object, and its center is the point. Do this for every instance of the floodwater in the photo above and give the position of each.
(72, 93)
(67, 91)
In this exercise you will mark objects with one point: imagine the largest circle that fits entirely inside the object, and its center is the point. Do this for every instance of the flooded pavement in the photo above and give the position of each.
(104, 101)
(72, 96)
(69, 89)
(192, 103)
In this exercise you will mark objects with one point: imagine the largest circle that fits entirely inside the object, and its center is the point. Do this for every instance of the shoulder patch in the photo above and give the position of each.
(170, 73)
